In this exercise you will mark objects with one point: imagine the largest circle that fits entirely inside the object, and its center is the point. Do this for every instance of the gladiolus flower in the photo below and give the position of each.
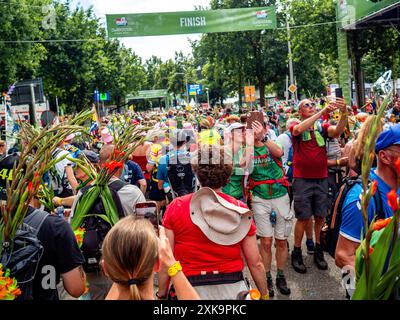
(382, 223)
(30, 187)
(392, 200)
(374, 186)
(113, 165)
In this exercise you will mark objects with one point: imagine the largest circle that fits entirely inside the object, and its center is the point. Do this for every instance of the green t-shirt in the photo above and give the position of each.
(179, 122)
(234, 187)
(266, 168)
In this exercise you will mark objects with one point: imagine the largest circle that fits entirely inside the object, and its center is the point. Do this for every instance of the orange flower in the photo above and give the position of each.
(382, 223)
(3, 293)
(255, 294)
(392, 200)
(16, 292)
(112, 166)
(374, 186)
(397, 164)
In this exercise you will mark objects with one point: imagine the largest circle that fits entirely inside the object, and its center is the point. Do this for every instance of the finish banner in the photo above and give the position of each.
(188, 22)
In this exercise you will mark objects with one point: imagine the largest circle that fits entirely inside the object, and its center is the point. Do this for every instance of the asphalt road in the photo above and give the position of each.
(314, 285)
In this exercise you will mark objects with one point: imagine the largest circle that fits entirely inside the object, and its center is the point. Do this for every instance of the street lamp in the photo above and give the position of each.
(187, 88)
(208, 98)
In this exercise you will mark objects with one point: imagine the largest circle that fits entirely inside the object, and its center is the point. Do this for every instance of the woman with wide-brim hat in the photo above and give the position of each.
(209, 230)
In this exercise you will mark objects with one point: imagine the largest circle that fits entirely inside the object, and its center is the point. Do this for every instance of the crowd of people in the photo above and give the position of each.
(228, 187)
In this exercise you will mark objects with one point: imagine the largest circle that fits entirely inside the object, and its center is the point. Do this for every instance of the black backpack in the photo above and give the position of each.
(23, 255)
(180, 175)
(97, 228)
(330, 231)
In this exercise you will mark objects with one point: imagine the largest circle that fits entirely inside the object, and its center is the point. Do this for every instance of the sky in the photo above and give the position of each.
(161, 46)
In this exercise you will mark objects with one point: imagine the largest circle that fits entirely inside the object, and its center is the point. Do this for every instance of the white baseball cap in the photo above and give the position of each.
(234, 126)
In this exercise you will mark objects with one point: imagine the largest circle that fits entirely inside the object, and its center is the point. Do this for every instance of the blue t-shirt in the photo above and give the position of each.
(132, 172)
(352, 221)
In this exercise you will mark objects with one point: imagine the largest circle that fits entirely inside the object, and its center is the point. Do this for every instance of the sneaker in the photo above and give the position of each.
(310, 246)
(297, 262)
(270, 286)
(319, 259)
(282, 286)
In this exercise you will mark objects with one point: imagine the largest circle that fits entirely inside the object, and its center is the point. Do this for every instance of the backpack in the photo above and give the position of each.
(97, 228)
(180, 175)
(23, 255)
(289, 162)
(330, 232)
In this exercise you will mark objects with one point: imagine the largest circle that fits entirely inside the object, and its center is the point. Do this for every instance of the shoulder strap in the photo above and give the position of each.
(56, 153)
(35, 220)
(380, 214)
(115, 186)
(341, 197)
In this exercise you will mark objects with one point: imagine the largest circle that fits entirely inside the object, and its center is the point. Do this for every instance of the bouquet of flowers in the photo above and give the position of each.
(8, 286)
(125, 142)
(35, 159)
(378, 257)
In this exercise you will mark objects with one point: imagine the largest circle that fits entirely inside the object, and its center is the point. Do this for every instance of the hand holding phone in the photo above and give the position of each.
(148, 210)
(254, 116)
(338, 93)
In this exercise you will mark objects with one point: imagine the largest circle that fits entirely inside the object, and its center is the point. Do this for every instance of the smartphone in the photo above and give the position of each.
(338, 93)
(254, 116)
(148, 210)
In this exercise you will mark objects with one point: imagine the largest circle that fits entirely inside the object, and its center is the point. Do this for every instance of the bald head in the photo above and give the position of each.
(105, 152)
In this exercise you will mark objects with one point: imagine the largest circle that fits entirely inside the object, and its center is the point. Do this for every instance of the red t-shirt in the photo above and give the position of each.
(309, 160)
(193, 249)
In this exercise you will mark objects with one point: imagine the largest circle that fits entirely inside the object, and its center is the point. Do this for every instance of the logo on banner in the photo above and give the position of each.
(261, 14)
(121, 22)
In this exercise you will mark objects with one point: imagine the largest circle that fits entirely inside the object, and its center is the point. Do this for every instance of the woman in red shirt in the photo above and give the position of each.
(208, 230)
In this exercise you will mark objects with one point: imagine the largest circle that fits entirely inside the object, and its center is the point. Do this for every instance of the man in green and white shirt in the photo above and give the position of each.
(271, 205)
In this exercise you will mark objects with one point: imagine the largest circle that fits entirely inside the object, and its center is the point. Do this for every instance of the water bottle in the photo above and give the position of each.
(272, 218)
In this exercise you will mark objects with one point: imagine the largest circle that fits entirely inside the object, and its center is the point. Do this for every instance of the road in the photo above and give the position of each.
(315, 284)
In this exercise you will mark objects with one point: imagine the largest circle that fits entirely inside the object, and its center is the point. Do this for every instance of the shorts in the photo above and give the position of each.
(262, 209)
(310, 198)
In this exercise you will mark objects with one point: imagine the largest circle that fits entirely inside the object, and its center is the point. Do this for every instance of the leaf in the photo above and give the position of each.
(378, 258)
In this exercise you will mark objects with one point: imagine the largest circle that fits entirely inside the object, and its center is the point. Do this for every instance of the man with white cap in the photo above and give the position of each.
(62, 178)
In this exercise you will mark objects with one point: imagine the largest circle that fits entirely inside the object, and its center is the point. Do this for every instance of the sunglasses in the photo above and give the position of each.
(309, 105)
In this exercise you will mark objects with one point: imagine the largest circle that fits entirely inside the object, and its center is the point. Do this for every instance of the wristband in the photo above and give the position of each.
(174, 269)
(265, 297)
(338, 162)
(59, 202)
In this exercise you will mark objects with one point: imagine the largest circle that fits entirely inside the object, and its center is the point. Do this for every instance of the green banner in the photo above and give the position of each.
(352, 11)
(148, 94)
(187, 22)
(344, 69)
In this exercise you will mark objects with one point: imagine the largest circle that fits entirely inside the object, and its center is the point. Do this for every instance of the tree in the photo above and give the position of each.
(20, 20)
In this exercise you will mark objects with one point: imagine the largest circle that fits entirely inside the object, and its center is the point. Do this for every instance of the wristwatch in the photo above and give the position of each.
(265, 139)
